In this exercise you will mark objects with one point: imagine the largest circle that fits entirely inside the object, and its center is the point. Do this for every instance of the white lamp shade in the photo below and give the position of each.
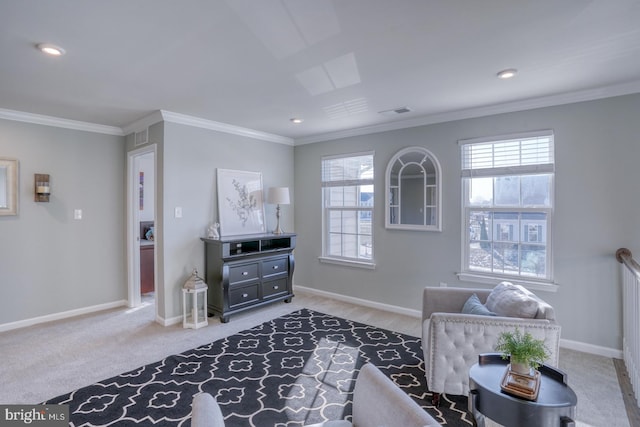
(278, 196)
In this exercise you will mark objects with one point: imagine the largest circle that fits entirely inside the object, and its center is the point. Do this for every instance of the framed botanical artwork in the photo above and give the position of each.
(240, 202)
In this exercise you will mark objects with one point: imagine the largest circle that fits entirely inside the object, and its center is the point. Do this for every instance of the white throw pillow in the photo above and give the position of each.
(511, 300)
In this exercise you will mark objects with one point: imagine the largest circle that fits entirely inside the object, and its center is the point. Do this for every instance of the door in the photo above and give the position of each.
(141, 214)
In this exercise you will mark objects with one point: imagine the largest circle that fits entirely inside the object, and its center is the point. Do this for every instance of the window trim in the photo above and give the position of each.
(346, 261)
(438, 189)
(544, 283)
(488, 279)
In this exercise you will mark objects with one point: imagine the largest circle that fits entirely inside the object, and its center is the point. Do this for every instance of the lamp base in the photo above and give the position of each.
(278, 230)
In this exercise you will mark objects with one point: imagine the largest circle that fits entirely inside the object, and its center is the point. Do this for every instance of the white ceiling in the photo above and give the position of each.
(335, 63)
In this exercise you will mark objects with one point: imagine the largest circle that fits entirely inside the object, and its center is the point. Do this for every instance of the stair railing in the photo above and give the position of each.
(630, 317)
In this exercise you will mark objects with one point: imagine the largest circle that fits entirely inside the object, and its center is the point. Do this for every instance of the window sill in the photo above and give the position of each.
(347, 262)
(541, 285)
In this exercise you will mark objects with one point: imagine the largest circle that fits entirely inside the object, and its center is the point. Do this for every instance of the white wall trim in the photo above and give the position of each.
(156, 116)
(487, 279)
(143, 123)
(564, 343)
(170, 321)
(223, 127)
(39, 119)
(488, 110)
(591, 348)
(360, 301)
(62, 315)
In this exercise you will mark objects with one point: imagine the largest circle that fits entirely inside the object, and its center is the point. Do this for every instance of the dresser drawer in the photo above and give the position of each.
(274, 267)
(243, 273)
(274, 288)
(244, 295)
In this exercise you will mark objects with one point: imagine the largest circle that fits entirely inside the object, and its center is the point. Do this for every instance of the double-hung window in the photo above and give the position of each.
(507, 207)
(347, 214)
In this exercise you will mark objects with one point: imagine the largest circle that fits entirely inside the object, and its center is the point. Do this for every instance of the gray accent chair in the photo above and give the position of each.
(205, 411)
(452, 341)
(377, 402)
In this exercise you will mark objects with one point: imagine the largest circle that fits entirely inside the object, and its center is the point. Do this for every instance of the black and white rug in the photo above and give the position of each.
(295, 370)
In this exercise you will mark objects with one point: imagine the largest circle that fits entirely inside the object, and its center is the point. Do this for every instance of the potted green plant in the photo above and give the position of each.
(523, 350)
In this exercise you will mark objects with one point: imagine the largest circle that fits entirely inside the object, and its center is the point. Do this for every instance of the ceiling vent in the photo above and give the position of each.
(395, 111)
(142, 137)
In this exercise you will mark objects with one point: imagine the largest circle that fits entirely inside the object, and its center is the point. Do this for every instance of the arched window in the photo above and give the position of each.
(413, 191)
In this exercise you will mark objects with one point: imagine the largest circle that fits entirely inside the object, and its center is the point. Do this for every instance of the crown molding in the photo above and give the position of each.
(143, 123)
(21, 116)
(223, 127)
(508, 107)
(160, 115)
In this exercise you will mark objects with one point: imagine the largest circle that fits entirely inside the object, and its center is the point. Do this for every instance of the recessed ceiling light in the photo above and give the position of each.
(51, 49)
(507, 74)
(296, 120)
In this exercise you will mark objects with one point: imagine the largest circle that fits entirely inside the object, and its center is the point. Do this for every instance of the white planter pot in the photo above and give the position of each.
(521, 368)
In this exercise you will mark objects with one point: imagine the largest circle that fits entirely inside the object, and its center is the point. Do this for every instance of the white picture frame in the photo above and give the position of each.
(8, 186)
(240, 202)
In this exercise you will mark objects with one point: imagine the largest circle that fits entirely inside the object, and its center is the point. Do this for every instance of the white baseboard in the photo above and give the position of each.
(591, 348)
(62, 315)
(564, 343)
(569, 344)
(170, 321)
(360, 301)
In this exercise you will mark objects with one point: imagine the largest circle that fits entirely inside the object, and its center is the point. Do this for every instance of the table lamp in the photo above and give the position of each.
(278, 196)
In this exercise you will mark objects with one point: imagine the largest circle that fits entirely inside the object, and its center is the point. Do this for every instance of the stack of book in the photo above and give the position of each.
(521, 385)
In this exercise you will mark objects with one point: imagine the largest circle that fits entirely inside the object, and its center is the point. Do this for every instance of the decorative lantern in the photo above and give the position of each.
(194, 302)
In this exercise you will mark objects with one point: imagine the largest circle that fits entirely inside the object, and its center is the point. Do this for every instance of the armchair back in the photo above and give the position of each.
(452, 341)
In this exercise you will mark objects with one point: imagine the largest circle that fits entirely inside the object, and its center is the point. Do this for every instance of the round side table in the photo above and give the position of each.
(554, 407)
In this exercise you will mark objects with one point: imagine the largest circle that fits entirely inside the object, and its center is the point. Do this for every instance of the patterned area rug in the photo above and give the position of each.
(295, 370)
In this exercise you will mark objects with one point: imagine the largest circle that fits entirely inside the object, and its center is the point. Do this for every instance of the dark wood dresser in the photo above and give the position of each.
(245, 272)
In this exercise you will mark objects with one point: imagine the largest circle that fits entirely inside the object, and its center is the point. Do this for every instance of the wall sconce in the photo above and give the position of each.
(278, 196)
(42, 187)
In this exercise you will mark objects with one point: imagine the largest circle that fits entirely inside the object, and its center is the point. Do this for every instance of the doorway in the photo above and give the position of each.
(141, 230)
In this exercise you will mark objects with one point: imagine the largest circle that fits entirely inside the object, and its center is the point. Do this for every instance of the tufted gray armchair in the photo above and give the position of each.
(452, 341)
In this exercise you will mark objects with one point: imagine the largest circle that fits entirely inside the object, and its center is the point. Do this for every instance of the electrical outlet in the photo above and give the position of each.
(77, 214)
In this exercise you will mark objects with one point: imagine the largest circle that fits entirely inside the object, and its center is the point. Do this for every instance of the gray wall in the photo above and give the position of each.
(190, 159)
(596, 212)
(49, 262)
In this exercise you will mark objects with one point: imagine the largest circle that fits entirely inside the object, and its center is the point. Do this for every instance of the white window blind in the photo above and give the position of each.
(347, 171)
(524, 154)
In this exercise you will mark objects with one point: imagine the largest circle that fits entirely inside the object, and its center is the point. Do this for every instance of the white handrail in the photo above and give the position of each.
(631, 316)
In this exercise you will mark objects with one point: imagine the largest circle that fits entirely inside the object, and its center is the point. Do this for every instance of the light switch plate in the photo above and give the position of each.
(77, 214)
(178, 212)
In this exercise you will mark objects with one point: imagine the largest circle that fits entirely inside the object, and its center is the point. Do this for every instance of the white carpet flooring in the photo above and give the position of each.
(44, 361)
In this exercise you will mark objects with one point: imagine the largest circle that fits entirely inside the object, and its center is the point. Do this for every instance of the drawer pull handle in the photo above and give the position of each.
(245, 273)
(245, 295)
(276, 287)
(275, 267)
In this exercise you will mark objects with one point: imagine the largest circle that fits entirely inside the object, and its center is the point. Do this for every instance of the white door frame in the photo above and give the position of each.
(133, 228)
